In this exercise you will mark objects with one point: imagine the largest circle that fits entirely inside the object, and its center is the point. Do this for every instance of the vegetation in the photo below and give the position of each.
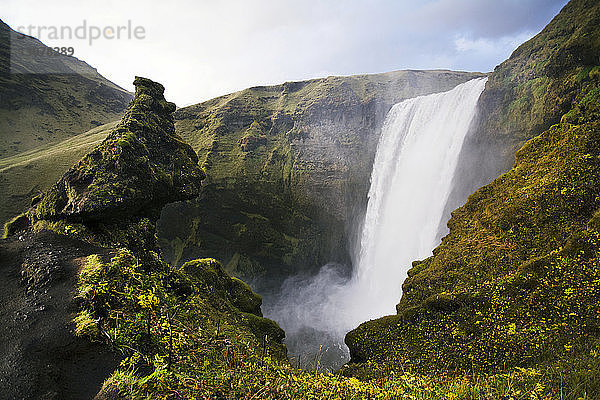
(193, 332)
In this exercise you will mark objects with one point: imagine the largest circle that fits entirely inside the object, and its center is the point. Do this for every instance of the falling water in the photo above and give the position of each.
(410, 183)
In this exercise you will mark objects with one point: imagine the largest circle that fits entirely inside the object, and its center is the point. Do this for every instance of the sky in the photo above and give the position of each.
(202, 49)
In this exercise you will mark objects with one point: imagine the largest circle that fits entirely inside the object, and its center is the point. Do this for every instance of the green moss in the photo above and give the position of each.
(127, 140)
(85, 324)
(214, 279)
(583, 75)
(172, 321)
(19, 223)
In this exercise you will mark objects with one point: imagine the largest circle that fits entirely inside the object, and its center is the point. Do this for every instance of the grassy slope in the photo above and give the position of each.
(193, 332)
(516, 281)
(48, 99)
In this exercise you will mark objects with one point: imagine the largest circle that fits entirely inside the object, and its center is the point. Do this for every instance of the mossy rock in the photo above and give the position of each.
(214, 278)
(17, 224)
(141, 166)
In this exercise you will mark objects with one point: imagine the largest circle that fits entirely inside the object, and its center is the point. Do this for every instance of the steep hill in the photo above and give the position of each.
(47, 96)
(516, 281)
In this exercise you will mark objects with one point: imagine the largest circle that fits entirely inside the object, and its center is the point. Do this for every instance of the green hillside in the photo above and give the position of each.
(48, 98)
(516, 281)
(527, 94)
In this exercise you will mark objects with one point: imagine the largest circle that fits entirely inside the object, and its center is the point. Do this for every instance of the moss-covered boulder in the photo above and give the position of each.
(21, 222)
(212, 277)
(141, 166)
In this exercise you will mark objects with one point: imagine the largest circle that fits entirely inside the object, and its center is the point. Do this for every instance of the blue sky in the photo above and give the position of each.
(202, 49)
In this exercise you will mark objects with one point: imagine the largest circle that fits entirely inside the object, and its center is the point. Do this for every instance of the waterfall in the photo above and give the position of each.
(411, 180)
(410, 184)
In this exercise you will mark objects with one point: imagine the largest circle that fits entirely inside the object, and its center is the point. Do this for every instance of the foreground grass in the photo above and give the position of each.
(266, 379)
(183, 334)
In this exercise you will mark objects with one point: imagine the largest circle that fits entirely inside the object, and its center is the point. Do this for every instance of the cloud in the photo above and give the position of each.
(488, 46)
(202, 49)
(489, 19)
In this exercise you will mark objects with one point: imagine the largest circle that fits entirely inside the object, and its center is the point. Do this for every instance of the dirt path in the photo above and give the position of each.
(39, 355)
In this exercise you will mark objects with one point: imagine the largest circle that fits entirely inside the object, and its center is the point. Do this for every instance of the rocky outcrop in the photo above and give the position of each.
(141, 166)
(85, 289)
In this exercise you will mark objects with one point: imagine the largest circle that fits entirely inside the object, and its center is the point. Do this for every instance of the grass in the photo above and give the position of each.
(182, 336)
(27, 174)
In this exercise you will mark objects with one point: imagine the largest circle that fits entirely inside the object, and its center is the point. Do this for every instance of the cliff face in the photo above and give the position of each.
(288, 170)
(515, 282)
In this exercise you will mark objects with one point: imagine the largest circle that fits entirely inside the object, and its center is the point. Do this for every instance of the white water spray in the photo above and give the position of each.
(411, 180)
